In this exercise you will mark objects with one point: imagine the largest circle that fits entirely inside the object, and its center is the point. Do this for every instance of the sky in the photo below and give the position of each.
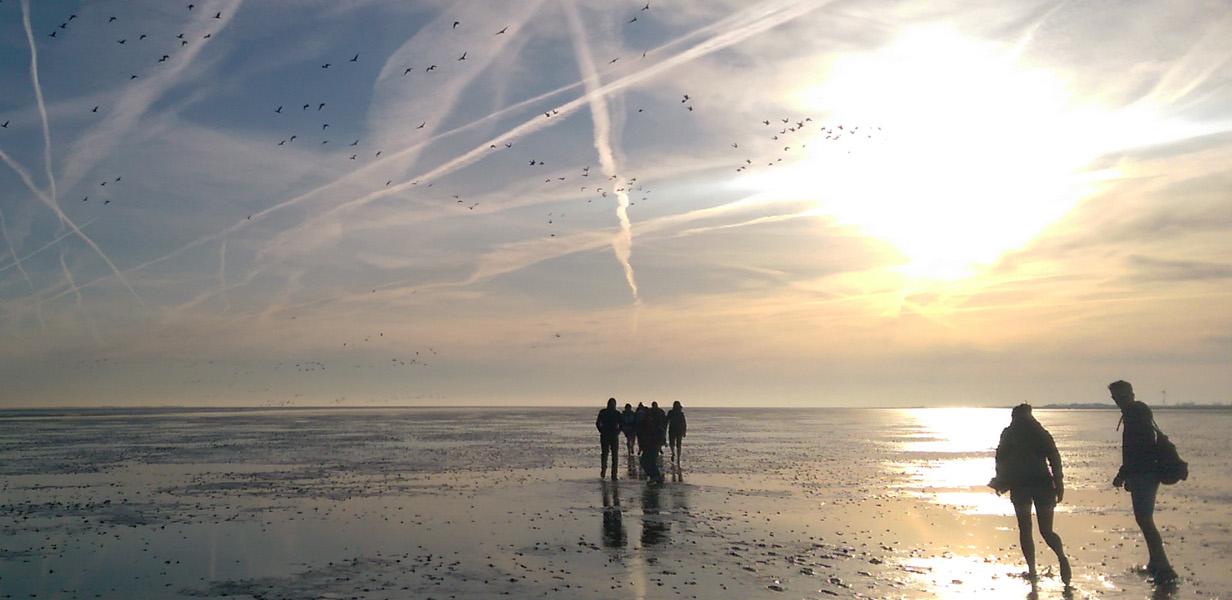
(726, 203)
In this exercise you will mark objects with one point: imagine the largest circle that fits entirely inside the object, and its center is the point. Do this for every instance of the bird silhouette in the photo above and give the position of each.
(421, 125)
(408, 70)
(112, 19)
(455, 24)
(503, 30)
(94, 110)
(218, 15)
(430, 68)
(463, 57)
(279, 109)
(355, 58)
(325, 66)
(5, 125)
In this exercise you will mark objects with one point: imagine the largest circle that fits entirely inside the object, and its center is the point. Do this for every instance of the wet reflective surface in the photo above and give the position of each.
(477, 503)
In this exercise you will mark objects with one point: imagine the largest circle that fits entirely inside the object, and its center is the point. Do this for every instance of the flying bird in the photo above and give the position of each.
(647, 7)
(320, 106)
(325, 66)
(355, 58)
(421, 125)
(218, 15)
(408, 70)
(279, 109)
(430, 68)
(111, 19)
(463, 57)
(5, 125)
(503, 30)
(455, 24)
(94, 110)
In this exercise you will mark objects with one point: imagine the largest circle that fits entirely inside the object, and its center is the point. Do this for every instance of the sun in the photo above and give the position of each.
(959, 153)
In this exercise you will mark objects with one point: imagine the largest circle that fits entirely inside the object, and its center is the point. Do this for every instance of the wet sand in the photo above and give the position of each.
(481, 504)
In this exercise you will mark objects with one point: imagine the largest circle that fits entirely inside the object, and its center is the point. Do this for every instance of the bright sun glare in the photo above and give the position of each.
(975, 154)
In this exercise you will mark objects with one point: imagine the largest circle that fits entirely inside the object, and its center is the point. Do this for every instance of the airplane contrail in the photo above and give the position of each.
(622, 242)
(222, 271)
(38, 305)
(68, 275)
(49, 244)
(51, 201)
(770, 16)
(38, 100)
(752, 22)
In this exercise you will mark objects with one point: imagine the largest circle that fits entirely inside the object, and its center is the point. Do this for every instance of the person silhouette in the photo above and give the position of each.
(608, 424)
(676, 426)
(1139, 476)
(1024, 454)
(649, 446)
(628, 425)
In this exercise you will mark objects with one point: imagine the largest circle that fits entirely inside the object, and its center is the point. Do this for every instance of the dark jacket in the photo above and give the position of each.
(659, 419)
(1024, 454)
(676, 424)
(1138, 452)
(628, 422)
(608, 422)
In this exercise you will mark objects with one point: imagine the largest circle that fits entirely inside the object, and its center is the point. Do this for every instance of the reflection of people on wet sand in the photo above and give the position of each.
(608, 424)
(613, 526)
(654, 528)
(675, 430)
(1024, 455)
(1138, 474)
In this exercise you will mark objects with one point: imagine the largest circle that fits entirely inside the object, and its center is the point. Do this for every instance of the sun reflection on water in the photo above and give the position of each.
(951, 458)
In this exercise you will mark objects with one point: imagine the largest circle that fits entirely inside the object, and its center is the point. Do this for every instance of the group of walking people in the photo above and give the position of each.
(1029, 468)
(648, 429)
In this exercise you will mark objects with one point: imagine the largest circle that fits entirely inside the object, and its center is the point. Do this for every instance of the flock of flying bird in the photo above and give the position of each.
(304, 116)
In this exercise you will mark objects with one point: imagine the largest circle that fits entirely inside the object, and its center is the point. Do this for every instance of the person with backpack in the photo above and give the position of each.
(1139, 474)
(608, 424)
(1024, 457)
(628, 425)
(676, 426)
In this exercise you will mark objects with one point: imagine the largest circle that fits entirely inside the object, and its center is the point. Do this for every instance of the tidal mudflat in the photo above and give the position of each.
(481, 503)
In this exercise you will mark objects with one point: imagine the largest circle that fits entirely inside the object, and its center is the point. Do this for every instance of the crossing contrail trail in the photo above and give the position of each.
(51, 201)
(49, 244)
(622, 242)
(731, 30)
(38, 304)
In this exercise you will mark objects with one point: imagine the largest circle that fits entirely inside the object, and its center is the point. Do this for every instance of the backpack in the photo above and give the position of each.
(1169, 466)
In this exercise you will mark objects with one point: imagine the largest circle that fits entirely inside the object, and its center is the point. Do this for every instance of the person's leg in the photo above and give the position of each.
(679, 447)
(603, 457)
(1142, 491)
(613, 447)
(1026, 535)
(1045, 503)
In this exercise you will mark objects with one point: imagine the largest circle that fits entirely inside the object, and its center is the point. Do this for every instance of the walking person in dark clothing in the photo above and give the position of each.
(659, 418)
(1138, 474)
(649, 446)
(676, 426)
(608, 424)
(1024, 455)
(628, 425)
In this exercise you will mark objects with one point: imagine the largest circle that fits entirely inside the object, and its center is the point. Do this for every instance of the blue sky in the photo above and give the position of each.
(810, 202)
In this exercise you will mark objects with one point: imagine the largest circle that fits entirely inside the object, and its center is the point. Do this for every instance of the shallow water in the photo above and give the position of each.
(475, 503)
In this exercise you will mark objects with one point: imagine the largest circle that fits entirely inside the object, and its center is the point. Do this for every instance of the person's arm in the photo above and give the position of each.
(684, 425)
(1054, 461)
(996, 483)
(599, 422)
